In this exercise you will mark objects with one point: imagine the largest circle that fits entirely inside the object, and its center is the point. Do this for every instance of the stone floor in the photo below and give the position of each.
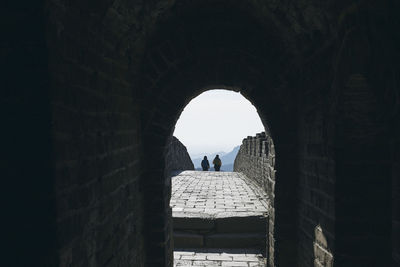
(215, 195)
(202, 198)
(215, 257)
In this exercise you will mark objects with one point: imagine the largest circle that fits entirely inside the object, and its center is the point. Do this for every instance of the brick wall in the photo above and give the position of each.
(365, 125)
(96, 136)
(316, 188)
(256, 159)
(363, 178)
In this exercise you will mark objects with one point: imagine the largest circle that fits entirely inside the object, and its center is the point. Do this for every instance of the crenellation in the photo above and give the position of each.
(256, 162)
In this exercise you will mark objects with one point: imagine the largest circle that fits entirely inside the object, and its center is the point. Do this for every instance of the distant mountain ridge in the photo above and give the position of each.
(229, 158)
(226, 158)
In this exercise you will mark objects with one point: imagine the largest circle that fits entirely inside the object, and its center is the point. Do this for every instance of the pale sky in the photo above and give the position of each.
(217, 120)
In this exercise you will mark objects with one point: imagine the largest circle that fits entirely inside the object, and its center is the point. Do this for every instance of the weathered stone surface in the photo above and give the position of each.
(222, 209)
(256, 160)
(177, 157)
(215, 257)
(215, 195)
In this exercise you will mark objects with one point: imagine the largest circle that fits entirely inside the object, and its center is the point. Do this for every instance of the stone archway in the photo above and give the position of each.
(185, 64)
(77, 89)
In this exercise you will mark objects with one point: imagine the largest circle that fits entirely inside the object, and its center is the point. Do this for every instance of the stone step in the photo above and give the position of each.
(237, 240)
(188, 240)
(220, 240)
(250, 224)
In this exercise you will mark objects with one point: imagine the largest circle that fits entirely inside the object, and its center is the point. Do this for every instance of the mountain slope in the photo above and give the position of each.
(230, 157)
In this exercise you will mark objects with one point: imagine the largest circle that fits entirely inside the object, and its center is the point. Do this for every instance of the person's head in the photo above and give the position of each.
(217, 156)
(205, 157)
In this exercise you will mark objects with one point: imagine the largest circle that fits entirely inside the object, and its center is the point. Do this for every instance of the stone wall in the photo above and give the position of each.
(256, 159)
(177, 157)
(96, 136)
(316, 206)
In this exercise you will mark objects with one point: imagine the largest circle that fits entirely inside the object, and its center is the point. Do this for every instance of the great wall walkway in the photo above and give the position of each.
(219, 219)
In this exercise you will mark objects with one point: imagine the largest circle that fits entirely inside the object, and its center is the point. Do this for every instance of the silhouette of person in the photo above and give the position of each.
(205, 164)
(217, 163)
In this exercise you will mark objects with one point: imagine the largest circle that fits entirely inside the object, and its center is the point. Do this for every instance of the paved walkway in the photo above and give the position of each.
(215, 195)
(249, 258)
(204, 203)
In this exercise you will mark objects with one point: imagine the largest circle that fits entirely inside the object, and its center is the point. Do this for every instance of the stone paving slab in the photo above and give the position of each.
(218, 257)
(199, 194)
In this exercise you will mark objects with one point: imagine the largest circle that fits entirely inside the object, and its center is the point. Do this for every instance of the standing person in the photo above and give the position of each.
(217, 163)
(205, 164)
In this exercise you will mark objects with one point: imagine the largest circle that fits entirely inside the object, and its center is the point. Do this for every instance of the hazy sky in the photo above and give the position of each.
(217, 120)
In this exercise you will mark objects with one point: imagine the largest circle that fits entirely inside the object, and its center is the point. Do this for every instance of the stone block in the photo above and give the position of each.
(182, 223)
(188, 240)
(241, 224)
(238, 240)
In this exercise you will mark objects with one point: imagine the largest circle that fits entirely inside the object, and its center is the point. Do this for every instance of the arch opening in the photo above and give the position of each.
(248, 165)
(216, 121)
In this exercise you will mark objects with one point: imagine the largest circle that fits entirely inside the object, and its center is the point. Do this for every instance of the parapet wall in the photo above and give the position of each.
(177, 157)
(256, 159)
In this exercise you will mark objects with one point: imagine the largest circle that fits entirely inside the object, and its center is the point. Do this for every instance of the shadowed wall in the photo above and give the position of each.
(91, 93)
